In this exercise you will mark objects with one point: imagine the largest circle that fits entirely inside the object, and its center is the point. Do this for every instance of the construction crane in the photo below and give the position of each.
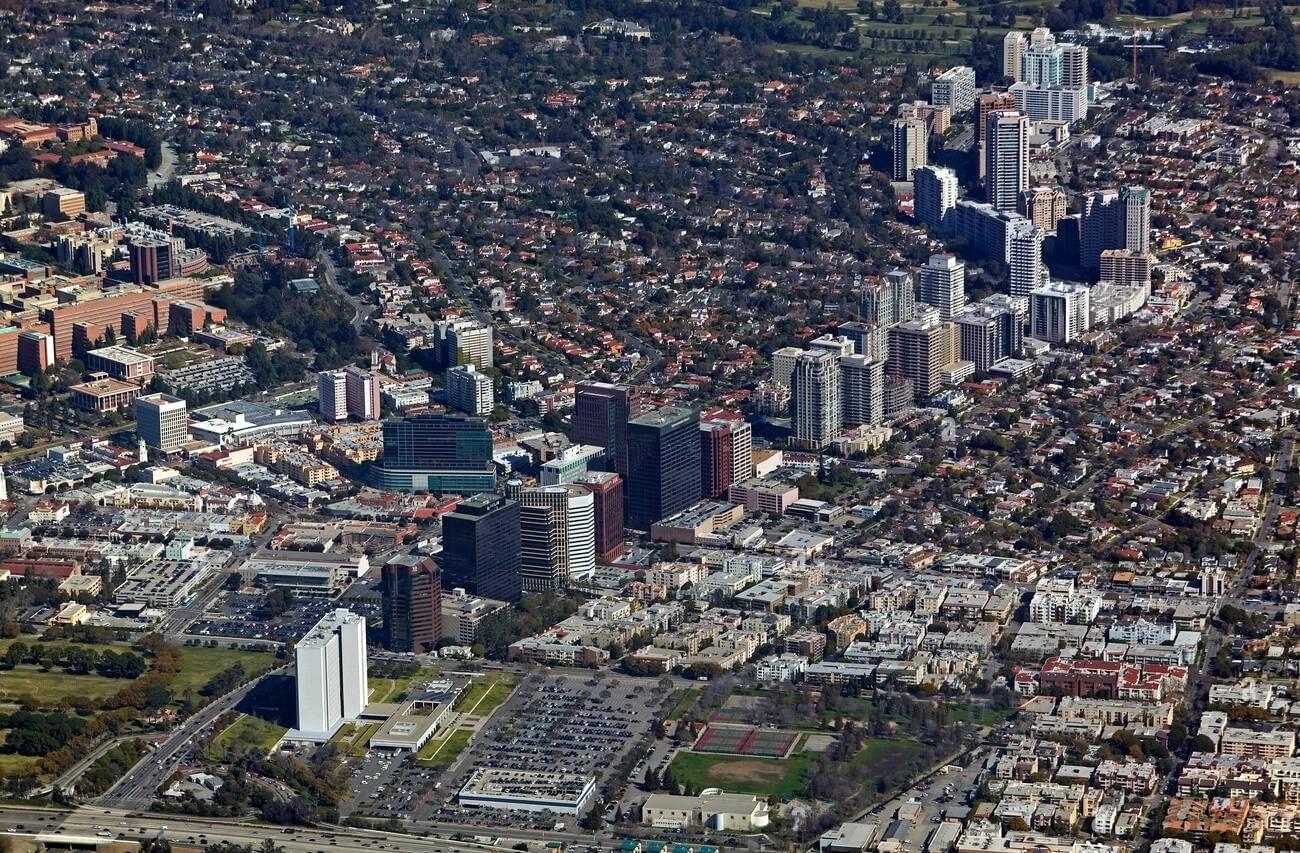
(1133, 73)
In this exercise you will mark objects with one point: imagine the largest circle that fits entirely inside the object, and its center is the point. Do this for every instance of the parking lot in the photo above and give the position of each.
(242, 614)
(563, 724)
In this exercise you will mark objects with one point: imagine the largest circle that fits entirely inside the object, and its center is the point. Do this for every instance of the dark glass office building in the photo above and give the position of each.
(436, 453)
(600, 416)
(480, 547)
(412, 604)
(663, 465)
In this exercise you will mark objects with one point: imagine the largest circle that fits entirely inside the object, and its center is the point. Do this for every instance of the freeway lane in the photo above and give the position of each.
(137, 788)
(88, 821)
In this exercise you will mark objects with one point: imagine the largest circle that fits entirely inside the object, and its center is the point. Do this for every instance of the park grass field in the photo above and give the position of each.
(783, 778)
(484, 695)
(241, 736)
(55, 688)
(202, 662)
(440, 753)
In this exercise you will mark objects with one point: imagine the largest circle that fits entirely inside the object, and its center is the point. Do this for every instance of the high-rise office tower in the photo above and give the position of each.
(480, 547)
(1006, 158)
(1054, 103)
(862, 389)
(154, 257)
(1013, 47)
(911, 143)
(987, 334)
(331, 388)
(816, 414)
(436, 453)
(161, 421)
(362, 391)
(934, 194)
(1024, 257)
(1135, 219)
(663, 465)
(606, 489)
(898, 396)
(412, 587)
(330, 667)
(600, 414)
(469, 391)
(557, 536)
(1074, 66)
(921, 350)
(955, 89)
(1043, 206)
(1059, 312)
(464, 340)
(943, 284)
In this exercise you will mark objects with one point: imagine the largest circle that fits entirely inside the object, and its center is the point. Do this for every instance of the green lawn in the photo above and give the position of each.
(782, 778)
(354, 739)
(383, 690)
(442, 752)
(482, 697)
(55, 688)
(13, 764)
(685, 700)
(241, 736)
(980, 715)
(201, 663)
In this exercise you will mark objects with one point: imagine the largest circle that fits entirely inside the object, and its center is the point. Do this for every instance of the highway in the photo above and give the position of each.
(136, 790)
(87, 822)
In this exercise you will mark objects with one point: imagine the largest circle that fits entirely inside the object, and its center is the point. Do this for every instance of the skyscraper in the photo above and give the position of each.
(783, 361)
(362, 391)
(436, 453)
(1074, 66)
(1059, 312)
(815, 400)
(1135, 219)
(1114, 219)
(989, 102)
(161, 421)
(955, 89)
(921, 350)
(330, 669)
(987, 334)
(943, 284)
(862, 388)
(869, 339)
(663, 465)
(468, 390)
(557, 536)
(1006, 158)
(934, 194)
(1044, 206)
(412, 589)
(716, 469)
(606, 489)
(1024, 257)
(1013, 47)
(911, 141)
(464, 340)
(480, 547)
(600, 414)
(331, 388)
(1040, 65)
